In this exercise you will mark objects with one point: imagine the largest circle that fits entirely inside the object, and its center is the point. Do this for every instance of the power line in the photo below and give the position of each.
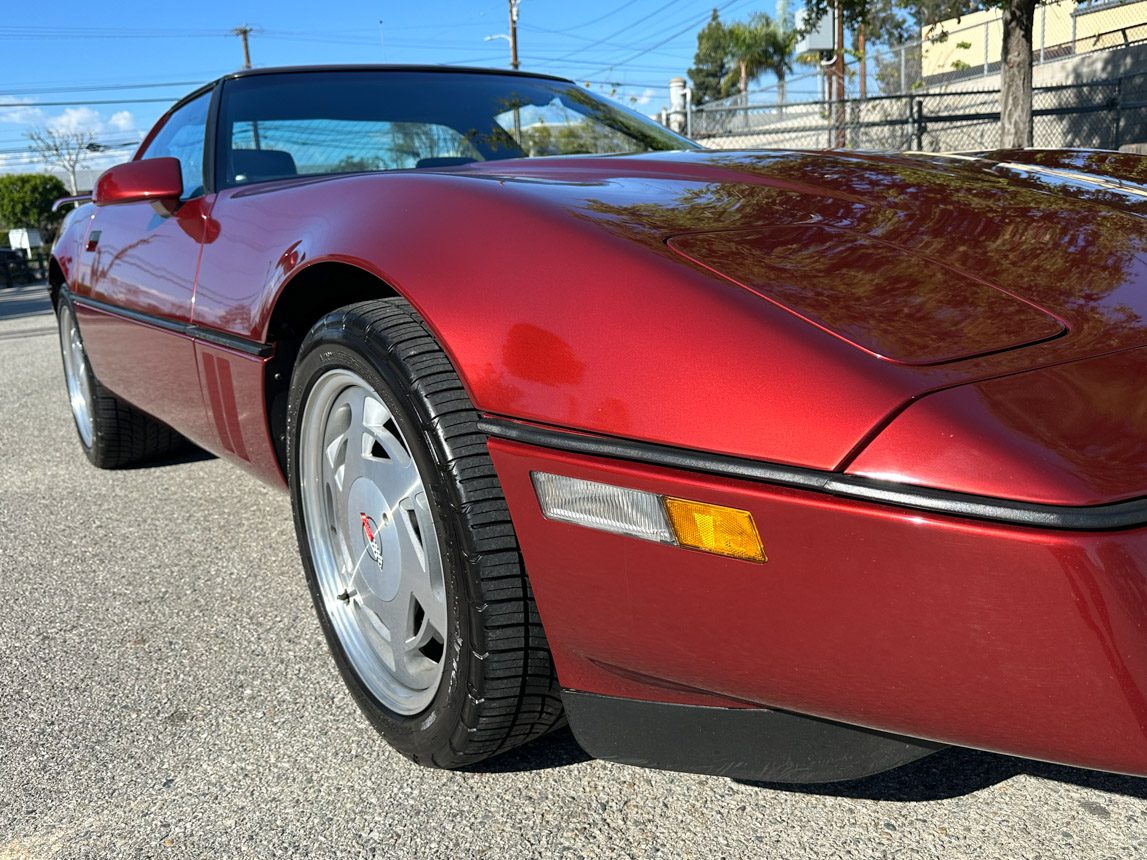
(690, 22)
(88, 88)
(612, 12)
(681, 32)
(335, 39)
(100, 137)
(70, 84)
(628, 46)
(85, 102)
(103, 33)
(31, 155)
(657, 11)
(620, 84)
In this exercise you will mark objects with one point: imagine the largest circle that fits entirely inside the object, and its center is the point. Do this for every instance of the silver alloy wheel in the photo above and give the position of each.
(76, 374)
(372, 541)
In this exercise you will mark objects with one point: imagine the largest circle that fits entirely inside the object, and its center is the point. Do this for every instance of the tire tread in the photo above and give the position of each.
(514, 692)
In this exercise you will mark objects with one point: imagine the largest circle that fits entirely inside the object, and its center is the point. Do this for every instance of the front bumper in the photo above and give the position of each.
(1026, 641)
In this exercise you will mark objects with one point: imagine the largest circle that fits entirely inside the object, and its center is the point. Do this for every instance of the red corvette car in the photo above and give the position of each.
(779, 465)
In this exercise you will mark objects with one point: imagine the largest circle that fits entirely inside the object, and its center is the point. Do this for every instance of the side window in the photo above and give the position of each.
(183, 136)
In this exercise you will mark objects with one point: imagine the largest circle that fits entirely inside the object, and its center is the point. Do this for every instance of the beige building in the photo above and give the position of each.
(1062, 29)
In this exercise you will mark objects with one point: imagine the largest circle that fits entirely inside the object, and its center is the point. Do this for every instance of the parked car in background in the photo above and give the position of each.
(779, 465)
(14, 268)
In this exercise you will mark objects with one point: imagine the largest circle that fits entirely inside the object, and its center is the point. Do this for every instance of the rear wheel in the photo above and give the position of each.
(407, 542)
(112, 432)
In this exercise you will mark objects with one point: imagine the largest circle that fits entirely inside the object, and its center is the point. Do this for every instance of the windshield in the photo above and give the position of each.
(304, 123)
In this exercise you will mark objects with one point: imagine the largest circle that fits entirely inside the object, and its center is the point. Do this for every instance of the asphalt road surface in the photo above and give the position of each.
(165, 692)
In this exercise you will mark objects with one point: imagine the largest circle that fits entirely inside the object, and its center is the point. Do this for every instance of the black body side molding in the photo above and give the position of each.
(207, 335)
(1117, 515)
(741, 743)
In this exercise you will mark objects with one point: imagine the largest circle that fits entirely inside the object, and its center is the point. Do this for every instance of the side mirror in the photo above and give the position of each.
(156, 179)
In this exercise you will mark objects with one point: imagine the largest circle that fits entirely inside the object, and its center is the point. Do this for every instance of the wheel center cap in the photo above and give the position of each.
(378, 556)
(370, 538)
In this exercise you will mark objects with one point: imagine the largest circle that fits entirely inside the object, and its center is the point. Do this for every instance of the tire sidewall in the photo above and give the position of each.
(416, 736)
(94, 451)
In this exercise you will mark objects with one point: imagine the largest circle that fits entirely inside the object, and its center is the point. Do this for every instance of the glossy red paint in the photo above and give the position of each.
(234, 395)
(726, 348)
(599, 227)
(145, 261)
(1073, 434)
(152, 179)
(824, 275)
(1016, 640)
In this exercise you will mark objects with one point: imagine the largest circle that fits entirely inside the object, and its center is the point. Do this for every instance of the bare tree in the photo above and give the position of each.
(64, 149)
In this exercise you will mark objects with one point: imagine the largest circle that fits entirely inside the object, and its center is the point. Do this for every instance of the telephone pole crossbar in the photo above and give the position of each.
(243, 32)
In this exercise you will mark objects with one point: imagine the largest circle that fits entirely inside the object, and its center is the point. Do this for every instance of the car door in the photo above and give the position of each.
(137, 282)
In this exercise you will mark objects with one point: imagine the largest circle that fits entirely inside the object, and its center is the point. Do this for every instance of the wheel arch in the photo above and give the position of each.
(56, 280)
(309, 295)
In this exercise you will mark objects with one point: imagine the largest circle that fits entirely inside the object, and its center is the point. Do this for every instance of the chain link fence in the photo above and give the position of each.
(1102, 115)
(1061, 30)
(1065, 32)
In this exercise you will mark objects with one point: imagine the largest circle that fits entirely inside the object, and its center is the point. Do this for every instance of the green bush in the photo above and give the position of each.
(26, 201)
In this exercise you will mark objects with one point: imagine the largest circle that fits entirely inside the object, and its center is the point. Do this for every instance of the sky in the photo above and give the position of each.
(114, 67)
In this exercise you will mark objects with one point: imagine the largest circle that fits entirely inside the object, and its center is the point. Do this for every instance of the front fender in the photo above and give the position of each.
(554, 315)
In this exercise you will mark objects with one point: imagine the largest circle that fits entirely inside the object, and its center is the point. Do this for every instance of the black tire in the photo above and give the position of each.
(498, 688)
(120, 435)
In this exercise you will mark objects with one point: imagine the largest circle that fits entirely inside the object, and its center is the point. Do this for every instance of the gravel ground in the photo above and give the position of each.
(166, 693)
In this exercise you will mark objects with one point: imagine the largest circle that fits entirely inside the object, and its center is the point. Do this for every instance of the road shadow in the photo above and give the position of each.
(188, 453)
(955, 772)
(557, 749)
(27, 301)
(950, 773)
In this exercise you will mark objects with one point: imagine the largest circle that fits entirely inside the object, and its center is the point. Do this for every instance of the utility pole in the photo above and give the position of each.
(838, 71)
(783, 19)
(514, 4)
(243, 32)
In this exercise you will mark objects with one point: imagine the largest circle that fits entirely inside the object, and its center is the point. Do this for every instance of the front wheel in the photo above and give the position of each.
(407, 542)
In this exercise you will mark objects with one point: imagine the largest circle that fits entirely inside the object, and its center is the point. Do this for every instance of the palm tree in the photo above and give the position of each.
(758, 45)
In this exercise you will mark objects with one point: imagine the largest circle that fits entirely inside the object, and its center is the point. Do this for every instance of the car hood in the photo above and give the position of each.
(1003, 294)
(916, 259)
(782, 307)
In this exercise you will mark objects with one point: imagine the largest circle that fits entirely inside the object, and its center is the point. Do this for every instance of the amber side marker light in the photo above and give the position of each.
(715, 529)
(663, 519)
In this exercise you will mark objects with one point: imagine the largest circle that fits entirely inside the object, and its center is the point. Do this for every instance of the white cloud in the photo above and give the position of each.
(646, 96)
(20, 114)
(74, 120)
(21, 118)
(121, 121)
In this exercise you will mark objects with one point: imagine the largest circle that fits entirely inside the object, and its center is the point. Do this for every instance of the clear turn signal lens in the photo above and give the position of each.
(602, 506)
(716, 529)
